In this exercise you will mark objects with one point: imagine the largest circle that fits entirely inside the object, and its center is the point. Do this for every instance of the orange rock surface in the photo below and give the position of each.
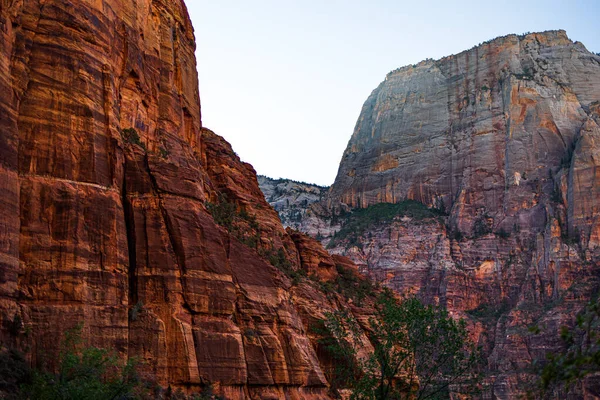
(108, 181)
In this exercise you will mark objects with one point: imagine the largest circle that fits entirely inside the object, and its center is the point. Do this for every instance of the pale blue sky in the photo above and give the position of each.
(284, 81)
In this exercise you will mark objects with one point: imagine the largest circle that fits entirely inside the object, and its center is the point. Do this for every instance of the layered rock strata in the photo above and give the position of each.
(484, 132)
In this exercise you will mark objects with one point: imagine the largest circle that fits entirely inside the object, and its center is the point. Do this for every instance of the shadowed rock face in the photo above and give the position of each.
(107, 178)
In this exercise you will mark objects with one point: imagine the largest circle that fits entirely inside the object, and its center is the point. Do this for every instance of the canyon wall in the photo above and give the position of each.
(490, 131)
(120, 212)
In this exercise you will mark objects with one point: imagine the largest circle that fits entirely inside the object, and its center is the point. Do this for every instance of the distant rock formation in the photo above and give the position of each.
(493, 130)
(300, 205)
(504, 139)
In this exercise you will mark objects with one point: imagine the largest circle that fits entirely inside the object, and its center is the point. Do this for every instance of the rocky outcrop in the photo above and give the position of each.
(300, 205)
(119, 211)
(286, 193)
(503, 139)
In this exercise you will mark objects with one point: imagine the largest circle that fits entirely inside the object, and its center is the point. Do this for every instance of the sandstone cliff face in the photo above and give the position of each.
(111, 190)
(504, 139)
(482, 132)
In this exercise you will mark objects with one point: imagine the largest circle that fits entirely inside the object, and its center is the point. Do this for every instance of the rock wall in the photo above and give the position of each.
(107, 216)
(503, 138)
(481, 132)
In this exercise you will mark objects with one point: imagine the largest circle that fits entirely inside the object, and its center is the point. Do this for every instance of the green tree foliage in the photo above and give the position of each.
(130, 135)
(240, 224)
(14, 372)
(420, 352)
(224, 212)
(83, 373)
(350, 285)
(562, 372)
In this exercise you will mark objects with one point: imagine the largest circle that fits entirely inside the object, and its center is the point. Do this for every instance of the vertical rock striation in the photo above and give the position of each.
(108, 181)
(483, 131)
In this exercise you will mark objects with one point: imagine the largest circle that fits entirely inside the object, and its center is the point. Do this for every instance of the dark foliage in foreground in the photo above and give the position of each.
(563, 372)
(420, 352)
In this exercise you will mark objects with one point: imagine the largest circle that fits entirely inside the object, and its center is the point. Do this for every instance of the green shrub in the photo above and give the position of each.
(327, 287)
(417, 342)
(563, 370)
(349, 285)
(130, 135)
(279, 260)
(83, 373)
(360, 220)
(163, 152)
(223, 211)
(240, 224)
(88, 373)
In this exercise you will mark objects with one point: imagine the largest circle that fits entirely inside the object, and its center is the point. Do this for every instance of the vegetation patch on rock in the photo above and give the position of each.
(361, 220)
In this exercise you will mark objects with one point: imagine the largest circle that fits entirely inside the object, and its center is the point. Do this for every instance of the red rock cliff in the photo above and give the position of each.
(107, 178)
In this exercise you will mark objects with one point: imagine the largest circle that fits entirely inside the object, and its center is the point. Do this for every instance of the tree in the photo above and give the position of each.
(83, 373)
(419, 351)
(563, 371)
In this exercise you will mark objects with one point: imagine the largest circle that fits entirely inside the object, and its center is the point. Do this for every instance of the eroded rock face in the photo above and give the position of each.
(108, 182)
(501, 137)
(300, 205)
(480, 132)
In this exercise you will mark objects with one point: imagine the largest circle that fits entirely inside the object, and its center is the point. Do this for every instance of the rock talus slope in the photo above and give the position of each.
(110, 193)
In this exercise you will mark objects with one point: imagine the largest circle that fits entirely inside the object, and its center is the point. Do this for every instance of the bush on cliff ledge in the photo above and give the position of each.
(83, 373)
(361, 220)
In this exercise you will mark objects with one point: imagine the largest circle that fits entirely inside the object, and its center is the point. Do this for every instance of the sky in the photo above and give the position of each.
(284, 81)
